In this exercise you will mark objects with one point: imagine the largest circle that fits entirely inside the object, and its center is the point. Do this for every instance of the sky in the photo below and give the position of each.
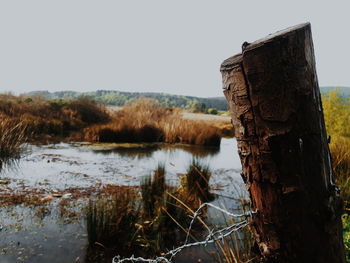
(164, 46)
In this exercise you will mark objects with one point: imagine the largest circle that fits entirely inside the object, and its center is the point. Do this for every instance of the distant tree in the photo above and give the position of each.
(195, 106)
(212, 111)
(337, 113)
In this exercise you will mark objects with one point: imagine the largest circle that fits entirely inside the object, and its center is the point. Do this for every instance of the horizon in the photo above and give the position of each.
(166, 93)
(173, 48)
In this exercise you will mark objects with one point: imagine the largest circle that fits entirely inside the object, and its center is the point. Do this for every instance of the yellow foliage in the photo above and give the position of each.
(336, 111)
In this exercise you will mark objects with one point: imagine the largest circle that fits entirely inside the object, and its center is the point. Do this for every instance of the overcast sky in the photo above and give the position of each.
(154, 45)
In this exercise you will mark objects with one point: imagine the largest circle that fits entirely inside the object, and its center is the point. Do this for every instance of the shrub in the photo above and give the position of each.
(212, 111)
(52, 117)
(145, 120)
(337, 114)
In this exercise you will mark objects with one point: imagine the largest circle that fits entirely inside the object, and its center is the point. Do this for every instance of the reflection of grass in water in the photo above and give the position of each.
(195, 150)
(145, 150)
(137, 150)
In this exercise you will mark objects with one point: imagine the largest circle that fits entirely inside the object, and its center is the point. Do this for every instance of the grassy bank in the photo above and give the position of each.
(51, 117)
(143, 120)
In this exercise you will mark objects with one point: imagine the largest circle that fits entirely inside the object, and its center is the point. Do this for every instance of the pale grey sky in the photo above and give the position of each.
(155, 45)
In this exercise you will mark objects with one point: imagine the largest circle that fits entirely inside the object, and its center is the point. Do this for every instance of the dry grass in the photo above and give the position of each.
(340, 150)
(51, 117)
(145, 120)
(12, 136)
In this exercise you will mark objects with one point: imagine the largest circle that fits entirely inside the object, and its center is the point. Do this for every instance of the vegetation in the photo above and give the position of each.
(142, 120)
(145, 120)
(111, 217)
(343, 91)
(12, 135)
(159, 220)
(197, 180)
(51, 117)
(346, 235)
(146, 226)
(337, 114)
(119, 98)
(212, 111)
(337, 117)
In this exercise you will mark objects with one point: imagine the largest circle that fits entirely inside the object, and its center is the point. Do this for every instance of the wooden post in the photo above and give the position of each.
(276, 109)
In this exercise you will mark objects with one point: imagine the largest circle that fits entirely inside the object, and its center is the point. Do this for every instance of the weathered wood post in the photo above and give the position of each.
(276, 110)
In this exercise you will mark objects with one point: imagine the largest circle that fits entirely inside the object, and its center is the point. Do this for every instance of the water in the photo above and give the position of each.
(62, 177)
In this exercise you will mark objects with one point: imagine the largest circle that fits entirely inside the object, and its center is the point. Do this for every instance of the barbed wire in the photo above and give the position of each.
(212, 236)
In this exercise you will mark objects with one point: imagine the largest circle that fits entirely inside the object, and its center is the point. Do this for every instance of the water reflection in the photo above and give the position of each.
(146, 150)
(53, 207)
(137, 150)
(9, 163)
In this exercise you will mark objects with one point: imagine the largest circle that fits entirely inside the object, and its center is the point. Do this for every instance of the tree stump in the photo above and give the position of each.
(276, 109)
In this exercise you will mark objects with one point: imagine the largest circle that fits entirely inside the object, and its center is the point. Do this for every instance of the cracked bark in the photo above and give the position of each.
(276, 109)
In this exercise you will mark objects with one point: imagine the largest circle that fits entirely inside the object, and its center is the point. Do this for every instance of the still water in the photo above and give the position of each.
(69, 173)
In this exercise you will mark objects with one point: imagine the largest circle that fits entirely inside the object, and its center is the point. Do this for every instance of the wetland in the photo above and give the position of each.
(89, 202)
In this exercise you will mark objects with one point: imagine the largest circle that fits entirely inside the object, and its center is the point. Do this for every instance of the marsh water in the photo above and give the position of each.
(44, 194)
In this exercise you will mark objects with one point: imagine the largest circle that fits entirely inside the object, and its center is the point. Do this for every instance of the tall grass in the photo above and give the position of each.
(197, 180)
(156, 220)
(128, 224)
(340, 151)
(52, 117)
(111, 218)
(12, 135)
(337, 118)
(152, 191)
(145, 120)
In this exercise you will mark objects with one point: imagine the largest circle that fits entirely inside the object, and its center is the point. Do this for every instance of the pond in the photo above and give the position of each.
(45, 195)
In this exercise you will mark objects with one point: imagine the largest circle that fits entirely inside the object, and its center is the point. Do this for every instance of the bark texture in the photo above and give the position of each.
(276, 109)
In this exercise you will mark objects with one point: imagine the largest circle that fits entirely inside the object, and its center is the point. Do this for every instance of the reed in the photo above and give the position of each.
(145, 120)
(52, 117)
(12, 135)
(197, 180)
(340, 152)
(111, 218)
(152, 191)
